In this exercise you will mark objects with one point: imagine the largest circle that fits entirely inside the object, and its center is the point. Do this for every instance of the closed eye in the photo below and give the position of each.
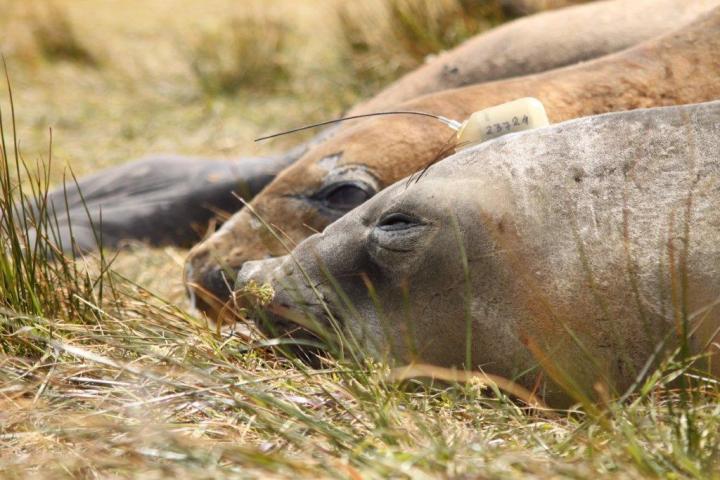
(344, 196)
(398, 221)
(397, 233)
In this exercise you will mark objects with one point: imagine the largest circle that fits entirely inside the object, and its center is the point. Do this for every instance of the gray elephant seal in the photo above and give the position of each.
(563, 257)
(161, 200)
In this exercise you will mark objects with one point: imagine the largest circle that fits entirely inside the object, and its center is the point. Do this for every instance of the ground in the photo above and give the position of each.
(106, 375)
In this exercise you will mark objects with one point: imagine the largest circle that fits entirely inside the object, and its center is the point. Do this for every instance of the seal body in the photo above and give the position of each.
(571, 257)
(347, 169)
(173, 201)
(159, 200)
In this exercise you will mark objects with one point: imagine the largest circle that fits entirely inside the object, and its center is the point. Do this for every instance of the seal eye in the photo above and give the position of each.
(397, 221)
(344, 196)
(397, 232)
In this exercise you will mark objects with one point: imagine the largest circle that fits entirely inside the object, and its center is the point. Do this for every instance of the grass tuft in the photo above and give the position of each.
(243, 53)
(42, 30)
(382, 40)
(56, 37)
(36, 279)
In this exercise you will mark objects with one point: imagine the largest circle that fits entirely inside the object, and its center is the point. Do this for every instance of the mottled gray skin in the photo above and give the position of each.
(580, 233)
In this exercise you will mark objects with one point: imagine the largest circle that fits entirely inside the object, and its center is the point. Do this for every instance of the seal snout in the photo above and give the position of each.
(293, 310)
(258, 271)
(210, 278)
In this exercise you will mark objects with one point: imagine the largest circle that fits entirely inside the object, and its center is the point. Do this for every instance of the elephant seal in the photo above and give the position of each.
(542, 42)
(347, 169)
(170, 203)
(563, 257)
(159, 200)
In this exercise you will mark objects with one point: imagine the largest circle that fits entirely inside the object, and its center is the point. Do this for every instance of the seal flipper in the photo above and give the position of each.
(167, 200)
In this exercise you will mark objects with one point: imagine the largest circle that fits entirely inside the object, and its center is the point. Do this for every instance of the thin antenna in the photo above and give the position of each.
(454, 124)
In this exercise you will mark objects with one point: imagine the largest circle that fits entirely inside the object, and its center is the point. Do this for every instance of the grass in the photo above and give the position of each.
(55, 36)
(244, 53)
(384, 39)
(103, 373)
(42, 31)
(426, 27)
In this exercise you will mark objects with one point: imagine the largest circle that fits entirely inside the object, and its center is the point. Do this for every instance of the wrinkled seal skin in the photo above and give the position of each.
(578, 239)
(677, 68)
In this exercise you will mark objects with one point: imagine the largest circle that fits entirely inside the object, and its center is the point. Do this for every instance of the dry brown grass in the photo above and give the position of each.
(245, 52)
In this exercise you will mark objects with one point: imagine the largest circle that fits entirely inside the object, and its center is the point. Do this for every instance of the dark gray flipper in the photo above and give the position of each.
(166, 200)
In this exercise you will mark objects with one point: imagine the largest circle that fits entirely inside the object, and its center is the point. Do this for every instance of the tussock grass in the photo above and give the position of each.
(243, 53)
(42, 30)
(384, 39)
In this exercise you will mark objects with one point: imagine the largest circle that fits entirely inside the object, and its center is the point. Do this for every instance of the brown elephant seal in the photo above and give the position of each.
(171, 202)
(542, 42)
(347, 169)
(580, 248)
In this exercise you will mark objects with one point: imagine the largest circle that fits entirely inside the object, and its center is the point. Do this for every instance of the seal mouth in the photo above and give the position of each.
(304, 329)
(289, 312)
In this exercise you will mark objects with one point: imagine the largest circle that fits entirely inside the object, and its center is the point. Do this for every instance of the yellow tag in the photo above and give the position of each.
(521, 114)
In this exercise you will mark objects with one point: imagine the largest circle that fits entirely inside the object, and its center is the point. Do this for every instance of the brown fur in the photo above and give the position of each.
(541, 42)
(678, 68)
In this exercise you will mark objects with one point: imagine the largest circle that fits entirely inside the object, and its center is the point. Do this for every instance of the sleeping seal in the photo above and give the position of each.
(170, 200)
(162, 200)
(567, 253)
(347, 169)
